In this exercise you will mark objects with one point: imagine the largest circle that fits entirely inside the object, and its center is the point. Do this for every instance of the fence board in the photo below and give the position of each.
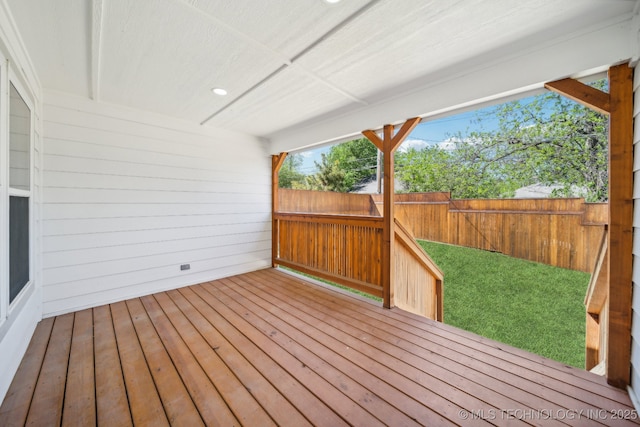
(325, 202)
(561, 232)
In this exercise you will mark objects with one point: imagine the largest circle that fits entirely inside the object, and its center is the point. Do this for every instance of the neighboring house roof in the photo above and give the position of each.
(541, 191)
(371, 187)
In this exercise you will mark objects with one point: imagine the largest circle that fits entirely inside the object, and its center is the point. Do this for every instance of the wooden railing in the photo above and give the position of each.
(418, 280)
(597, 306)
(345, 249)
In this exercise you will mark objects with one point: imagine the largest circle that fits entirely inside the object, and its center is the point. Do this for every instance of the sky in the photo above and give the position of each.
(435, 132)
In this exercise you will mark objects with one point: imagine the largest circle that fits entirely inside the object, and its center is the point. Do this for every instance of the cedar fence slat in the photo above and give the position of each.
(560, 232)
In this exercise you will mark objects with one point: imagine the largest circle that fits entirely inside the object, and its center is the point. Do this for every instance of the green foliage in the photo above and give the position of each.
(435, 169)
(345, 166)
(330, 177)
(289, 175)
(545, 139)
(528, 305)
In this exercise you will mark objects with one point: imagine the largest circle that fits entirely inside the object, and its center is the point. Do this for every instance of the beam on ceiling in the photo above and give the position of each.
(276, 54)
(476, 81)
(96, 47)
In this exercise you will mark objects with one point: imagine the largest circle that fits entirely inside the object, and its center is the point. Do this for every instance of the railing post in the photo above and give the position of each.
(620, 225)
(276, 164)
(388, 145)
(388, 234)
(618, 104)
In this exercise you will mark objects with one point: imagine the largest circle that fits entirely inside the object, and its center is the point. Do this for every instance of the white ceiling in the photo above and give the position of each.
(287, 64)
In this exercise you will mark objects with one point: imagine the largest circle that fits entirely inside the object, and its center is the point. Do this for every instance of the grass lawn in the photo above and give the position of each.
(529, 305)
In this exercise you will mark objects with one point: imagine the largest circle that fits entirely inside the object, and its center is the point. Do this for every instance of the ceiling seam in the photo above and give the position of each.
(96, 46)
(286, 62)
(243, 94)
(237, 33)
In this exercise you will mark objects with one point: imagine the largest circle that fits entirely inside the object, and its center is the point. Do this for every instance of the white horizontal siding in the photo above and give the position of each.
(635, 323)
(129, 197)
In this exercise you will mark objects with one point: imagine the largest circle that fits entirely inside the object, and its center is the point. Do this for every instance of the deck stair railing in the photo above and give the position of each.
(597, 307)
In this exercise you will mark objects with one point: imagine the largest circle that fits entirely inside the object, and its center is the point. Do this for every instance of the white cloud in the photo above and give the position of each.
(417, 144)
(450, 144)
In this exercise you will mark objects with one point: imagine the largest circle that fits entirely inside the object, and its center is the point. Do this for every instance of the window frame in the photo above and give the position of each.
(7, 307)
(4, 193)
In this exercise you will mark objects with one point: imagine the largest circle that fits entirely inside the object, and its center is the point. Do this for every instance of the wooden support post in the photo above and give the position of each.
(276, 164)
(618, 103)
(620, 224)
(388, 145)
(388, 194)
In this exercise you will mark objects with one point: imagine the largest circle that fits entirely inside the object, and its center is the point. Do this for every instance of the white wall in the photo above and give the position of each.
(129, 197)
(18, 320)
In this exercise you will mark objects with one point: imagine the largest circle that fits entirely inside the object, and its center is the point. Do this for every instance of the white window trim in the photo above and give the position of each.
(4, 193)
(12, 78)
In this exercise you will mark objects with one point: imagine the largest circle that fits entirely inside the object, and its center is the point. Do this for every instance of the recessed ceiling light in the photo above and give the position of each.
(219, 91)
(332, 1)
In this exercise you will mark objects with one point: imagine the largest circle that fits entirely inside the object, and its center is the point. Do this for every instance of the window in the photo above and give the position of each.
(19, 192)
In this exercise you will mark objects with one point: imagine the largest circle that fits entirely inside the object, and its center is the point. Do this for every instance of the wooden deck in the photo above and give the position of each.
(266, 348)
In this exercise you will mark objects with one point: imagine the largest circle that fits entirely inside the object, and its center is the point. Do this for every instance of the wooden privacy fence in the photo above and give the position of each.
(326, 202)
(560, 232)
(347, 249)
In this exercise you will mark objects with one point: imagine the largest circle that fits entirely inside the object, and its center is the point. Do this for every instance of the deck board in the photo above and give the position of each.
(15, 408)
(48, 396)
(79, 399)
(144, 401)
(175, 398)
(267, 348)
(112, 406)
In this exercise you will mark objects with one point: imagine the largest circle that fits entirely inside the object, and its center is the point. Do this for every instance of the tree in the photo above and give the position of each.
(437, 169)
(289, 175)
(330, 177)
(545, 139)
(345, 166)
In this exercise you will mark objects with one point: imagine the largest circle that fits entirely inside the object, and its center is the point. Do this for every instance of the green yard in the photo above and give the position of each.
(529, 305)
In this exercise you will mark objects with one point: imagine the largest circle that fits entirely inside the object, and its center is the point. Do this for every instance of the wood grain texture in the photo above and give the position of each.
(79, 400)
(561, 232)
(620, 239)
(48, 396)
(111, 395)
(276, 164)
(342, 248)
(584, 94)
(15, 408)
(275, 349)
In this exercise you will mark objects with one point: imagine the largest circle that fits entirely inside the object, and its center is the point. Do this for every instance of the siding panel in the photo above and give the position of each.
(128, 198)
